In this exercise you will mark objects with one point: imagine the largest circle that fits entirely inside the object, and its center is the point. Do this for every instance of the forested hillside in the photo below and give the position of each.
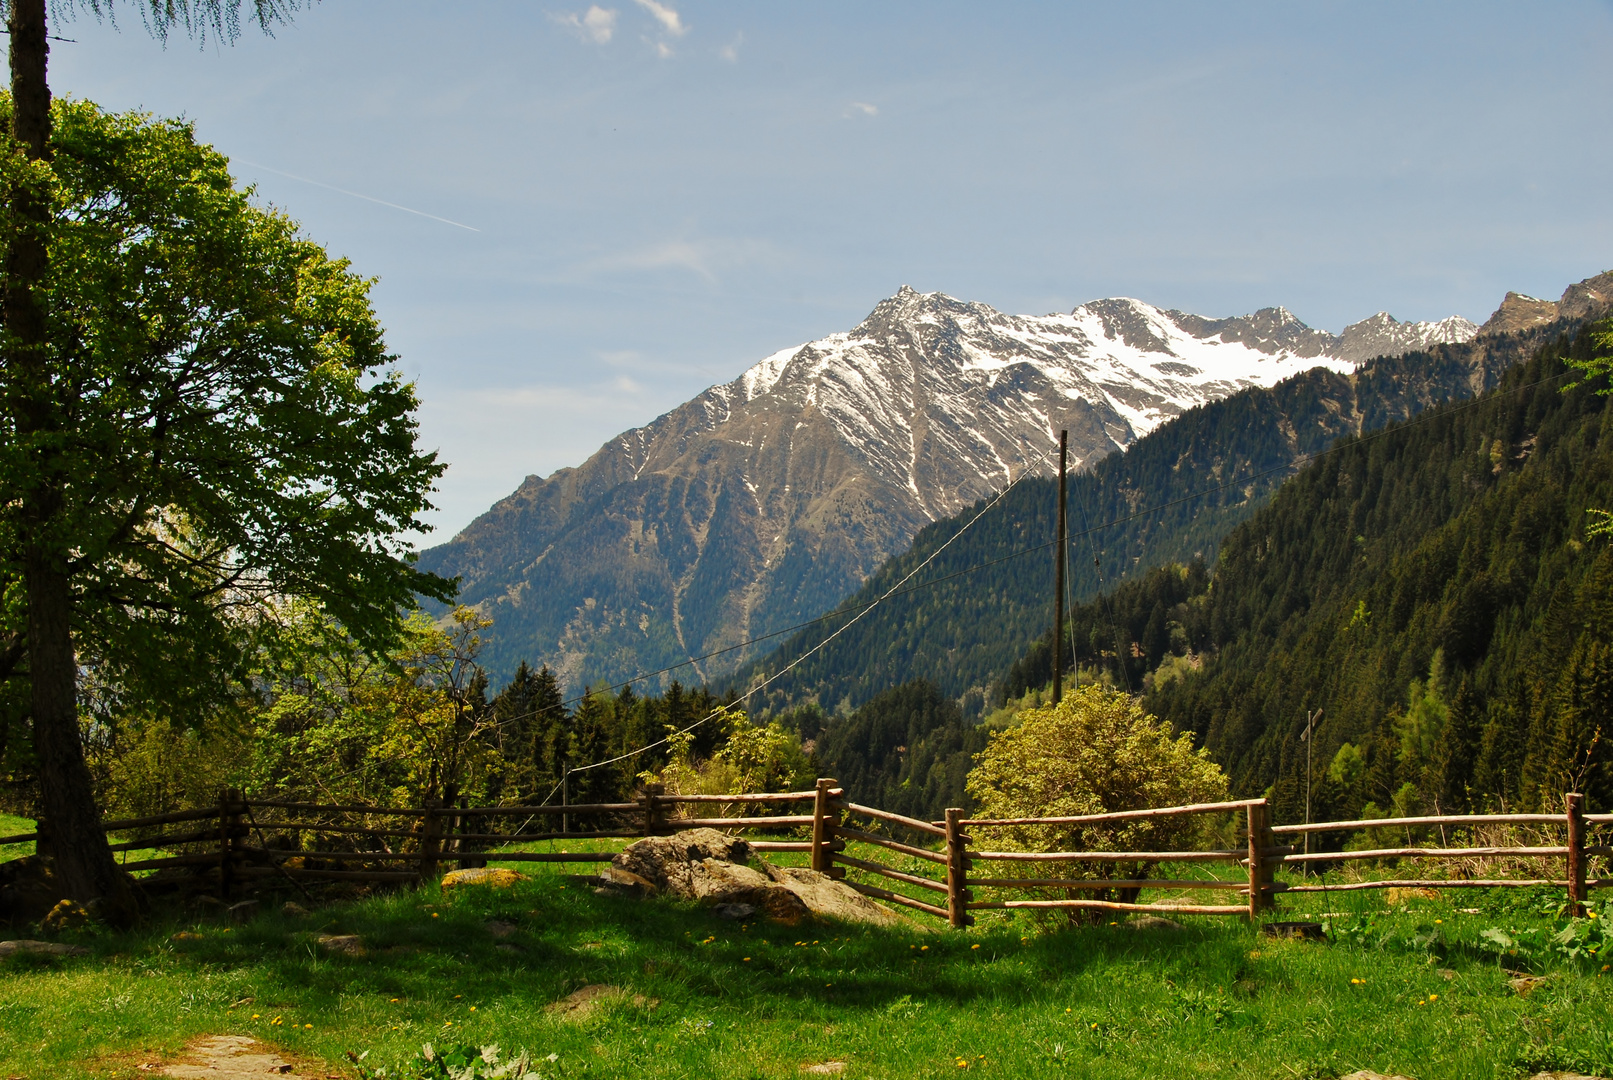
(907, 749)
(1435, 591)
(1207, 469)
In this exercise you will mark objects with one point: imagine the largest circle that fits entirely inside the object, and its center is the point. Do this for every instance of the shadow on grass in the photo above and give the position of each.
(428, 945)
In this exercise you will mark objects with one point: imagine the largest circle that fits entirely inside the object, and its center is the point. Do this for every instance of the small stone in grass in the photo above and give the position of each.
(495, 877)
(41, 948)
(581, 1004)
(346, 944)
(1152, 922)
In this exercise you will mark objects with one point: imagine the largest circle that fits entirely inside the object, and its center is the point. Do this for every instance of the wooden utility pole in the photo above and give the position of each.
(1058, 576)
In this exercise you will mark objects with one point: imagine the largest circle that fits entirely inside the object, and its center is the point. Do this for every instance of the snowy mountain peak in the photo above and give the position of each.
(760, 501)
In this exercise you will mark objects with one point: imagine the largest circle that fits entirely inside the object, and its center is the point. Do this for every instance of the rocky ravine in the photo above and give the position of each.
(764, 500)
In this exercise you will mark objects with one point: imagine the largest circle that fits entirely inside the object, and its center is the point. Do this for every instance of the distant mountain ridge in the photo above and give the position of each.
(765, 499)
(971, 613)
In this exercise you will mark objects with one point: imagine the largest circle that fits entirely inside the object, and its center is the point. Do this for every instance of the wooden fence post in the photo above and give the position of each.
(652, 810)
(42, 844)
(958, 893)
(230, 810)
(430, 839)
(1259, 840)
(825, 817)
(1575, 804)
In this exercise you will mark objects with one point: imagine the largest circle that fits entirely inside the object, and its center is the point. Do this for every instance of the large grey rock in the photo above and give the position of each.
(824, 896)
(710, 867)
(667, 862)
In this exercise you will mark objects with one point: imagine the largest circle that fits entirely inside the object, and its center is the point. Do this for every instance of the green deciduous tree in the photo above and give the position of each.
(208, 425)
(1095, 752)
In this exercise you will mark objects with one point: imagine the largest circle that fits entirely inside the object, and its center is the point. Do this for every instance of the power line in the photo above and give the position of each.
(764, 684)
(895, 590)
(1089, 530)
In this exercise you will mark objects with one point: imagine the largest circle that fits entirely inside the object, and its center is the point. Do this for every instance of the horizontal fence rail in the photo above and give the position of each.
(242, 839)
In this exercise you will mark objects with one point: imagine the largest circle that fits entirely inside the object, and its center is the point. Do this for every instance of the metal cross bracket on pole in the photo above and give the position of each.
(1311, 720)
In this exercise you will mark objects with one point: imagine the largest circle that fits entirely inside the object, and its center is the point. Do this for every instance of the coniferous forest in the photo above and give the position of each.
(1171, 497)
(1436, 590)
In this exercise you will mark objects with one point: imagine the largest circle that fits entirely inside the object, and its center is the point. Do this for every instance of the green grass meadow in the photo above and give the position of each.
(15, 826)
(1418, 991)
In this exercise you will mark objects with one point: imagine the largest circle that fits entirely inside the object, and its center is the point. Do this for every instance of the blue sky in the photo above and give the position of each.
(639, 199)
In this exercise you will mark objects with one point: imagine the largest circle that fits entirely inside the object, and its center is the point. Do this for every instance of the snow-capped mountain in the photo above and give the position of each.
(764, 500)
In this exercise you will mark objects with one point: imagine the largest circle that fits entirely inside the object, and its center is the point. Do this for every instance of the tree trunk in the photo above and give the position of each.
(84, 863)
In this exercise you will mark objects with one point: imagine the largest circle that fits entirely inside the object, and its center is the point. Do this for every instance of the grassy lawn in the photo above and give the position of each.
(15, 826)
(1410, 991)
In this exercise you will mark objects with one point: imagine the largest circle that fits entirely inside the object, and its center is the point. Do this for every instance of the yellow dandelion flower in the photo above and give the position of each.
(1433, 997)
(473, 1008)
(310, 1027)
(255, 1015)
(747, 960)
(974, 946)
(924, 948)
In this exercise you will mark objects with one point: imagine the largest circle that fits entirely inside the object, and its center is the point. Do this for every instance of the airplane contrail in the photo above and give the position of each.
(357, 195)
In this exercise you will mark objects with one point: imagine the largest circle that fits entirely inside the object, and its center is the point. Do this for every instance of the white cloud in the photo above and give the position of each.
(667, 17)
(705, 258)
(597, 24)
(862, 108)
(662, 49)
(730, 52)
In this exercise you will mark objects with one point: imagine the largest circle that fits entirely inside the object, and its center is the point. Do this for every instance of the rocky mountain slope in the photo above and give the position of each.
(764, 500)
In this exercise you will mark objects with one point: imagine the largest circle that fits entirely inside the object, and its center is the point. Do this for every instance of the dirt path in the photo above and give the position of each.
(233, 1057)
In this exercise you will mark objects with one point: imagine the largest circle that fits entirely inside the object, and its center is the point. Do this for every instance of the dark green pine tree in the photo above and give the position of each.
(531, 718)
(1579, 758)
(1498, 772)
(1450, 772)
(591, 743)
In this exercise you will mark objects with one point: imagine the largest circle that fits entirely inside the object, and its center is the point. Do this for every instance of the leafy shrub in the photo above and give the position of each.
(458, 1061)
(1095, 752)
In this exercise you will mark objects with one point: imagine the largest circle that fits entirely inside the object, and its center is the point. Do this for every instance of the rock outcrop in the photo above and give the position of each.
(28, 889)
(712, 868)
(1582, 300)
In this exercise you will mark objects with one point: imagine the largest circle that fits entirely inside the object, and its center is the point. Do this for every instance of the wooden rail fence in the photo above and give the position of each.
(241, 839)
